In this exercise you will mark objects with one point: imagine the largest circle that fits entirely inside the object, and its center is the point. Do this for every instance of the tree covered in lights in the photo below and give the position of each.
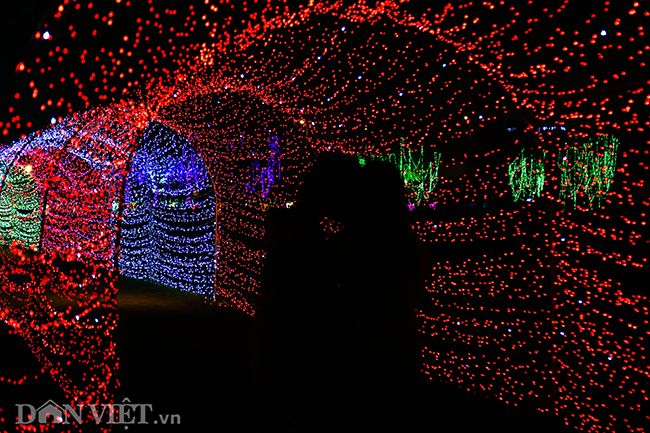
(526, 175)
(587, 170)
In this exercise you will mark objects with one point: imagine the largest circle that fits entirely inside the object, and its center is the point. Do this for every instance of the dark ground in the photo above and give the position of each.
(188, 358)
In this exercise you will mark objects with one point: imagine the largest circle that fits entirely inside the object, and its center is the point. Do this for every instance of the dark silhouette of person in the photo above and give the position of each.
(335, 339)
(383, 282)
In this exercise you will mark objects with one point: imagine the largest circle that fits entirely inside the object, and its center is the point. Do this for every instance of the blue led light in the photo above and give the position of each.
(264, 171)
(169, 233)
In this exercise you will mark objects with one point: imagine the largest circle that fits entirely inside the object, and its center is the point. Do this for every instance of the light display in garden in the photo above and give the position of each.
(535, 303)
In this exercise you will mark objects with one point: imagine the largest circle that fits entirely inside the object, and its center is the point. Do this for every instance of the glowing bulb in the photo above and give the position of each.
(603, 33)
(46, 35)
(28, 168)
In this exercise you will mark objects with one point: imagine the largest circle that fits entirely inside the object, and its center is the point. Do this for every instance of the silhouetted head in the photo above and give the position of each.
(330, 188)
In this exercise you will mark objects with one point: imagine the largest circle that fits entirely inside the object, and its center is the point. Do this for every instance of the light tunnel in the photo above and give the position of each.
(533, 300)
(137, 198)
(74, 173)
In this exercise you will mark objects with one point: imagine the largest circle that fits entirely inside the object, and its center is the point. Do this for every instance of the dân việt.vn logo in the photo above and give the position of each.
(125, 413)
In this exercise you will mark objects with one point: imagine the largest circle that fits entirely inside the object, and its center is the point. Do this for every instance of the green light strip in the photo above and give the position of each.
(587, 171)
(526, 176)
(420, 177)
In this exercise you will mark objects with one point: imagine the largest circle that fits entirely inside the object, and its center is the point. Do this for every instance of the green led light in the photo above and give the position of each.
(587, 171)
(420, 174)
(362, 161)
(526, 176)
(20, 207)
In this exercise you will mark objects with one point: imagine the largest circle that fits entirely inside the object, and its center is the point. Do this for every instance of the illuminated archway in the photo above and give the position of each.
(168, 234)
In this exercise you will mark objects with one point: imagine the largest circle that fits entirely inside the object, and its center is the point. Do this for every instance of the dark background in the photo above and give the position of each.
(19, 22)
